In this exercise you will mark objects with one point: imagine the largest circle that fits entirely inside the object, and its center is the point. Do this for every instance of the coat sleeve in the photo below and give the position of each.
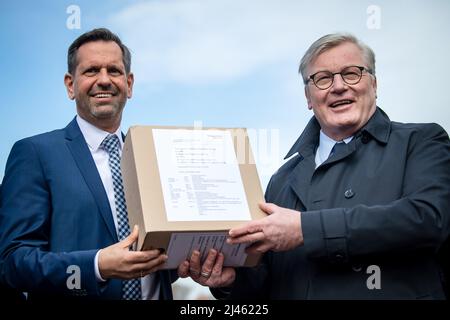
(417, 221)
(25, 226)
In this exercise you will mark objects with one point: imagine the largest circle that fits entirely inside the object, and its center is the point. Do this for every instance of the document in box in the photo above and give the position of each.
(200, 176)
(182, 245)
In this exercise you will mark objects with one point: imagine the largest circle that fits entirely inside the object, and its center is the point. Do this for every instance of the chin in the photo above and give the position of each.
(345, 125)
(344, 120)
(105, 112)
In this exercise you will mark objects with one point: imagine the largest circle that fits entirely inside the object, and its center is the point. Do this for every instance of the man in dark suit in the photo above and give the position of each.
(361, 208)
(63, 220)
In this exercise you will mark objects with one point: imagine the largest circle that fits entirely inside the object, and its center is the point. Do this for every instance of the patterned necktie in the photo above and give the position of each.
(131, 289)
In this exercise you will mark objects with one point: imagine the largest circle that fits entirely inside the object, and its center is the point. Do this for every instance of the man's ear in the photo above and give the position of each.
(130, 81)
(308, 97)
(68, 82)
(375, 86)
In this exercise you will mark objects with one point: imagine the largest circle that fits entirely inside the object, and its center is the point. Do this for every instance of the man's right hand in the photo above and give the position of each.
(117, 261)
(211, 273)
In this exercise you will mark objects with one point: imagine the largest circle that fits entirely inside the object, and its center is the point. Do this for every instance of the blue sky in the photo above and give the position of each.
(222, 63)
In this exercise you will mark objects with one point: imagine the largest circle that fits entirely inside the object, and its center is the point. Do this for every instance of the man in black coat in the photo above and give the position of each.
(361, 208)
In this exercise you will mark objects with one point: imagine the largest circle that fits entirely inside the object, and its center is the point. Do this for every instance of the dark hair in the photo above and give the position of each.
(100, 34)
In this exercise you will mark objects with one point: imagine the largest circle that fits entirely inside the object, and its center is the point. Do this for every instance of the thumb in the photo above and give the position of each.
(268, 208)
(132, 237)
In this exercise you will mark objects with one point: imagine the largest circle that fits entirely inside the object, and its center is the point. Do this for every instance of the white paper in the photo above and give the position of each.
(200, 177)
(182, 245)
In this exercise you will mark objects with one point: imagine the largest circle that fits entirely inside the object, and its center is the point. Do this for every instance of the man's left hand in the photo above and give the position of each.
(280, 231)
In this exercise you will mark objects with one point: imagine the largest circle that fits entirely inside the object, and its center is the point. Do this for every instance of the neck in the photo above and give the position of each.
(111, 128)
(108, 124)
(340, 135)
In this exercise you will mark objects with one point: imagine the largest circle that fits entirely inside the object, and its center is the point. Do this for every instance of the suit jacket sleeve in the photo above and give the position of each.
(25, 220)
(419, 220)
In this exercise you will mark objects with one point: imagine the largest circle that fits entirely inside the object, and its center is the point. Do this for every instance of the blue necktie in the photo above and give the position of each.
(337, 148)
(131, 289)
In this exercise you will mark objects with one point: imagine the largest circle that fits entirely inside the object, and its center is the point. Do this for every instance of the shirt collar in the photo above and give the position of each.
(378, 126)
(326, 144)
(95, 136)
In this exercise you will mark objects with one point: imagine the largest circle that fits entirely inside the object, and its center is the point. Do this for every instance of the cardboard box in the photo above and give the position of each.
(147, 208)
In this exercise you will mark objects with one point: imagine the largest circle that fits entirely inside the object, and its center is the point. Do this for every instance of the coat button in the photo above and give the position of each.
(349, 193)
(365, 138)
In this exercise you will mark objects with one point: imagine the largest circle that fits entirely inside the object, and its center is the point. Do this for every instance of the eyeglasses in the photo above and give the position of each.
(350, 75)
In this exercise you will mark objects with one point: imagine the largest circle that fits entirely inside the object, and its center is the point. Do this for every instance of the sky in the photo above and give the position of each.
(221, 63)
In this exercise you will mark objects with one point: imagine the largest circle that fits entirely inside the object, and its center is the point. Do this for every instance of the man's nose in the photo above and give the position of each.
(103, 78)
(339, 84)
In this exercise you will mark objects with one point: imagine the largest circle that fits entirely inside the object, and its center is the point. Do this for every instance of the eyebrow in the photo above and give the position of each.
(99, 66)
(346, 66)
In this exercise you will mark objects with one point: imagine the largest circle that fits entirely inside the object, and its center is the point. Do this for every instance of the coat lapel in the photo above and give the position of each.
(349, 149)
(83, 158)
(300, 178)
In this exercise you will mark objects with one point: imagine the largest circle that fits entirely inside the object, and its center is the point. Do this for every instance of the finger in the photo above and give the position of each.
(221, 276)
(132, 237)
(183, 269)
(151, 254)
(259, 247)
(249, 227)
(195, 268)
(151, 266)
(228, 277)
(217, 269)
(208, 264)
(142, 256)
(216, 274)
(159, 264)
(268, 208)
(248, 238)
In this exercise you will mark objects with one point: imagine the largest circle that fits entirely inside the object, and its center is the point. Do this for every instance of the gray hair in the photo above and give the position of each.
(330, 41)
(100, 34)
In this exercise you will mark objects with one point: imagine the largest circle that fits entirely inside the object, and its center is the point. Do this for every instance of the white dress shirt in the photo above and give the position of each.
(325, 146)
(94, 137)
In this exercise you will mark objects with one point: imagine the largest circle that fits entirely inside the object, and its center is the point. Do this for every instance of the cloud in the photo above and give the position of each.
(190, 42)
(198, 42)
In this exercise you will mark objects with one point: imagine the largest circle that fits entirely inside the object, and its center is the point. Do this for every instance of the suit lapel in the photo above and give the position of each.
(83, 158)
